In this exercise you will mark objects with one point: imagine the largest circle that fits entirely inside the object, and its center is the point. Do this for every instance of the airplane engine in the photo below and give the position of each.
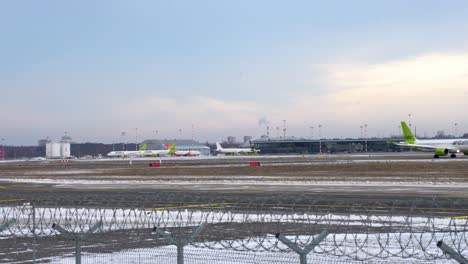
(465, 152)
(441, 151)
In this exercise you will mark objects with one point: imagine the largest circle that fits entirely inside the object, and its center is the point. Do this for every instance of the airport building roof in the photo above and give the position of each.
(316, 140)
(303, 146)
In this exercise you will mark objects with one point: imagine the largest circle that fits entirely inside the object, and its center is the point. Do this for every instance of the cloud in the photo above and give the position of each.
(208, 114)
(432, 87)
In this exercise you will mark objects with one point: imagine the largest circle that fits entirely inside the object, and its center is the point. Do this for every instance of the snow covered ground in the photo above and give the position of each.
(201, 256)
(79, 219)
(401, 237)
(197, 255)
(230, 180)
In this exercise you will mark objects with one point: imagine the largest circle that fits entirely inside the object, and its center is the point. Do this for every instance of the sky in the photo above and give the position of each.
(213, 68)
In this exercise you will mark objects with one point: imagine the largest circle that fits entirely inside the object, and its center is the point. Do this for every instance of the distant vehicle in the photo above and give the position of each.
(235, 151)
(441, 147)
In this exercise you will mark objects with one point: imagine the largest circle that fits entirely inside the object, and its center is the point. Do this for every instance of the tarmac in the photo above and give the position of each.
(340, 181)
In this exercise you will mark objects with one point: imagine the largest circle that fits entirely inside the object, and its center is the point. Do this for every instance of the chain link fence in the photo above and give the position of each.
(247, 231)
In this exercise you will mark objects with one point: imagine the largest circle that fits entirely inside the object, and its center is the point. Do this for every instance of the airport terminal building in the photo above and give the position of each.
(313, 146)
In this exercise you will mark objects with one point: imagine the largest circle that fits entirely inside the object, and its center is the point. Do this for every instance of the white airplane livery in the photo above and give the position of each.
(441, 147)
(143, 152)
(186, 153)
(235, 151)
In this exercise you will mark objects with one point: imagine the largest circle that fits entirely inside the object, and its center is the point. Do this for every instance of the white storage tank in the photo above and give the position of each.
(64, 149)
(48, 150)
(53, 150)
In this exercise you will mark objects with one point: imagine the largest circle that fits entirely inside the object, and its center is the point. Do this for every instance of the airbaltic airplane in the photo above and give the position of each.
(235, 151)
(187, 153)
(170, 149)
(127, 153)
(441, 147)
(143, 152)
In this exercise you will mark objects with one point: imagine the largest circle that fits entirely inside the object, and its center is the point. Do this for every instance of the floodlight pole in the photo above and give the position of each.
(365, 136)
(320, 138)
(284, 129)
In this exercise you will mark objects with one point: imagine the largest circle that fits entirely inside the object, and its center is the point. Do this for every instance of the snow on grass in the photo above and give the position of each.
(411, 238)
(198, 255)
(235, 181)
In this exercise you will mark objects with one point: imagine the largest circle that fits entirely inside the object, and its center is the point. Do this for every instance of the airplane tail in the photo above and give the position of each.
(218, 146)
(407, 134)
(171, 149)
(144, 147)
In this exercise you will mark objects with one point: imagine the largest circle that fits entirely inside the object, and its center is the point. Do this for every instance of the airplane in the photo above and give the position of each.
(441, 147)
(127, 153)
(159, 152)
(143, 152)
(185, 153)
(235, 151)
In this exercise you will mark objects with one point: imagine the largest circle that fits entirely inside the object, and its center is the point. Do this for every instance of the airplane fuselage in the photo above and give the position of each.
(452, 145)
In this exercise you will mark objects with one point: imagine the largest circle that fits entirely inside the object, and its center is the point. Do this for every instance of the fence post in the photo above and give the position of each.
(77, 237)
(7, 224)
(451, 252)
(303, 252)
(33, 208)
(179, 243)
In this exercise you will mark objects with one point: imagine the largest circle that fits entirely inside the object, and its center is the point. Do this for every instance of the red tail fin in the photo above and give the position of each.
(168, 146)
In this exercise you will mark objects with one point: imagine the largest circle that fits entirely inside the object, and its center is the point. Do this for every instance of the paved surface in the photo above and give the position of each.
(341, 180)
(398, 184)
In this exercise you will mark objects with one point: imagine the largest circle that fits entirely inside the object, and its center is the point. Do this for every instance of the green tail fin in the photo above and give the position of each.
(172, 149)
(408, 135)
(143, 148)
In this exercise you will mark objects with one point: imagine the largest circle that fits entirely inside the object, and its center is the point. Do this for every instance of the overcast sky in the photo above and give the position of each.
(97, 68)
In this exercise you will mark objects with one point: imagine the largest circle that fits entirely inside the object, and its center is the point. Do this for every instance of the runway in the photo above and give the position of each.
(364, 201)
(383, 178)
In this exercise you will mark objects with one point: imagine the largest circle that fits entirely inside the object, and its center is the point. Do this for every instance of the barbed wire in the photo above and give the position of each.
(362, 232)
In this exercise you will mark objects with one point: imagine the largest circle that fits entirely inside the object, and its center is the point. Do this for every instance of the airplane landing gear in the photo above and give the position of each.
(453, 156)
(436, 156)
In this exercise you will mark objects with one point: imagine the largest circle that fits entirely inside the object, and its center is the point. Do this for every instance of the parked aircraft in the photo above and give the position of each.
(186, 153)
(159, 152)
(143, 152)
(235, 151)
(127, 153)
(441, 147)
